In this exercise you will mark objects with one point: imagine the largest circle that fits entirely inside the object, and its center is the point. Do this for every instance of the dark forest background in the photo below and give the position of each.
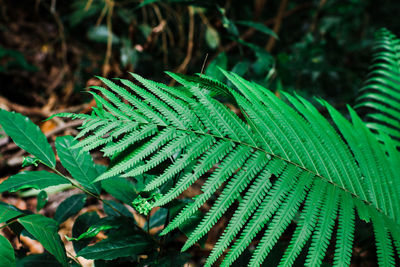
(51, 51)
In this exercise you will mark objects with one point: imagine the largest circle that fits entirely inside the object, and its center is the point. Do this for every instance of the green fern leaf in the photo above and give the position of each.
(284, 158)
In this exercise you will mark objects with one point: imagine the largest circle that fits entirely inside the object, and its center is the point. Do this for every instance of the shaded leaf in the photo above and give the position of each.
(8, 212)
(34, 179)
(27, 136)
(38, 260)
(120, 188)
(158, 218)
(45, 231)
(103, 224)
(81, 225)
(109, 249)
(118, 206)
(69, 207)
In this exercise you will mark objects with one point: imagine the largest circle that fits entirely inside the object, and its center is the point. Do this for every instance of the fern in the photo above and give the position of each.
(325, 172)
(380, 95)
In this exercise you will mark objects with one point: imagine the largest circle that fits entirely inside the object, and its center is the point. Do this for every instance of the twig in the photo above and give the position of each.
(251, 31)
(35, 111)
(313, 25)
(152, 36)
(163, 34)
(277, 25)
(204, 64)
(24, 110)
(106, 65)
(182, 68)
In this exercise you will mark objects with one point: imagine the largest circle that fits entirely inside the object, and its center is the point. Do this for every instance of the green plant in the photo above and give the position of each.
(125, 239)
(379, 97)
(279, 159)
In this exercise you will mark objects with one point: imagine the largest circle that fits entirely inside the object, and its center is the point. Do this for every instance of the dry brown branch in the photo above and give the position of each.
(271, 21)
(182, 68)
(277, 25)
(313, 25)
(106, 64)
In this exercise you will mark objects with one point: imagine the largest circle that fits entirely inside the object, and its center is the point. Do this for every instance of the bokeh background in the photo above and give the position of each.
(50, 50)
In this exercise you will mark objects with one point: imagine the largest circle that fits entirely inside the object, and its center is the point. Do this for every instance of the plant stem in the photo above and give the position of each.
(75, 184)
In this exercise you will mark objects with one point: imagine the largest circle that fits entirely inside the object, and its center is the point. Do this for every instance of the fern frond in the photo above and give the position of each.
(321, 171)
(380, 95)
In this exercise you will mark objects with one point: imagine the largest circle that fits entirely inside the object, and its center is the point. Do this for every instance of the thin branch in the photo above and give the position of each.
(106, 64)
(277, 25)
(251, 31)
(182, 68)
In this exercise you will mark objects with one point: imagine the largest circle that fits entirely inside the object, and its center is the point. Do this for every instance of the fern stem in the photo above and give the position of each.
(78, 186)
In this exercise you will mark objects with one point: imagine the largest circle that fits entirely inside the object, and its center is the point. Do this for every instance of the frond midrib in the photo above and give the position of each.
(278, 157)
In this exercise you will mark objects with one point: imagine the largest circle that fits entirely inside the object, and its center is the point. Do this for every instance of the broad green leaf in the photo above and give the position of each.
(120, 188)
(79, 164)
(81, 225)
(27, 136)
(117, 206)
(38, 260)
(41, 200)
(212, 38)
(258, 26)
(7, 212)
(7, 257)
(109, 249)
(69, 207)
(45, 231)
(34, 179)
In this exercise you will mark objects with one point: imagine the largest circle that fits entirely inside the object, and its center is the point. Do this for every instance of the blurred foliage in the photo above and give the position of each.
(322, 48)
